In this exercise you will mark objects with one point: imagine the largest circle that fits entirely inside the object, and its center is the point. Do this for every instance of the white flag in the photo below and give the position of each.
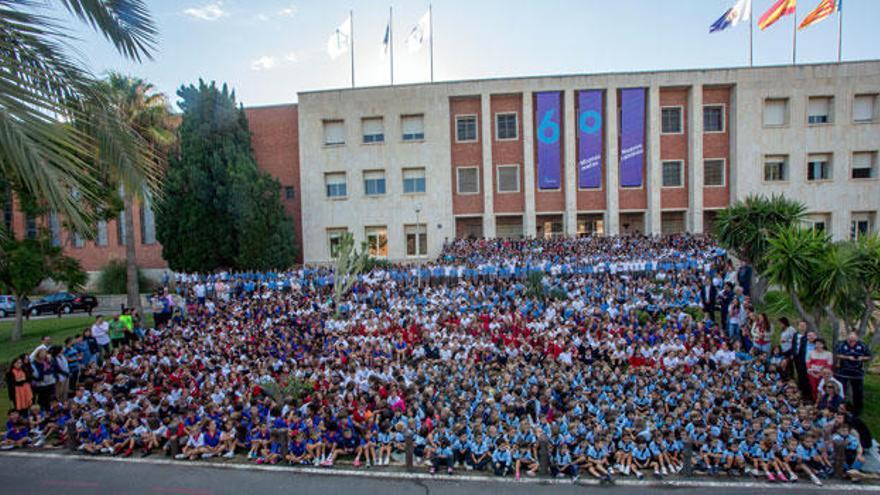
(740, 12)
(340, 39)
(420, 33)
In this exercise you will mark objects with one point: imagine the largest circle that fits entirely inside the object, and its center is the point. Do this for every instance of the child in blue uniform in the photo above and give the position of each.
(442, 456)
(297, 450)
(563, 464)
(501, 459)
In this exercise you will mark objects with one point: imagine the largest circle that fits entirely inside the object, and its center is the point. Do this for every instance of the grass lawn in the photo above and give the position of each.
(871, 413)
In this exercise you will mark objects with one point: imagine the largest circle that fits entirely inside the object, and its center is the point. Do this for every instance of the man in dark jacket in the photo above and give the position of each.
(799, 356)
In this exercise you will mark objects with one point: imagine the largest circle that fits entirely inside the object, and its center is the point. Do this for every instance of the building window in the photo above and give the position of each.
(776, 168)
(713, 118)
(864, 108)
(671, 120)
(7, 211)
(416, 240)
(148, 220)
(289, 192)
(55, 228)
(775, 112)
(101, 235)
(818, 167)
(506, 126)
(819, 110)
(468, 180)
(30, 226)
(713, 173)
(377, 241)
(672, 174)
(413, 180)
(334, 237)
(508, 178)
(334, 132)
(373, 130)
(413, 127)
(374, 182)
(336, 185)
(466, 128)
(862, 223)
(864, 165)
(121, 237)
(817, 221)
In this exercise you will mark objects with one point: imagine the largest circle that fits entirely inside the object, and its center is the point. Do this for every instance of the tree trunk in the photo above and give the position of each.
(759, 288)
(804, 315)
(866, 316)
(19, 314)
(131, 271)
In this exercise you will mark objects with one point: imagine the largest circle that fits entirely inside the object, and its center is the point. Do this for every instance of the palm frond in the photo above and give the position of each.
(125, 23)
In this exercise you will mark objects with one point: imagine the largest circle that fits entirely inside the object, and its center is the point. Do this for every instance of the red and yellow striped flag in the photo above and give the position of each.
(823, 10)
(776, 11)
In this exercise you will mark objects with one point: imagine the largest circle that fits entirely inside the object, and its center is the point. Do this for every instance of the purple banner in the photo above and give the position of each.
(589, 152)
(632, 136)
(547, 130)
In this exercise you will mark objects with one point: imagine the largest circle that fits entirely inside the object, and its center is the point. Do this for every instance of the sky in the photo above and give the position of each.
(268, 50)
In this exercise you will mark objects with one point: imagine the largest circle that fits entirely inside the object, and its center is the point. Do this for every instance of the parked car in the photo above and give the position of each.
(7, 306)
(63, 302)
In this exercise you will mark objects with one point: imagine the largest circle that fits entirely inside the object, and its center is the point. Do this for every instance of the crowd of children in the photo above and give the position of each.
(603, 365)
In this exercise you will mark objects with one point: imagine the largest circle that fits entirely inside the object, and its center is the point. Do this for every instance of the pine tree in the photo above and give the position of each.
(218, 209)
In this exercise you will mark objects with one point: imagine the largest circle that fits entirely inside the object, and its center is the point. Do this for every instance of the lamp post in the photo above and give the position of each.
(418, 209)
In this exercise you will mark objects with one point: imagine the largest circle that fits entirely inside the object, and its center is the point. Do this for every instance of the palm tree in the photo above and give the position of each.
(147, 113)
(745, 228)
(55, 135)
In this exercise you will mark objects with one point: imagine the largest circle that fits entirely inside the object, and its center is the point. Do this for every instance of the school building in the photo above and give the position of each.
(406, 167)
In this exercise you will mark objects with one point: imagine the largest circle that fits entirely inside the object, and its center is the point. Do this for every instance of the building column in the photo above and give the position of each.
(569, 164)
(529, 228)
(488, 171)
(612, 167)
(652, 161)
(695, 160)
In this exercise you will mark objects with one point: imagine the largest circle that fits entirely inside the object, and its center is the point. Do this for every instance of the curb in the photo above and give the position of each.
(444, 477)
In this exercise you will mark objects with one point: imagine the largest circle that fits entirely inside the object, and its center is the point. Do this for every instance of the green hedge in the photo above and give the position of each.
(112, 279)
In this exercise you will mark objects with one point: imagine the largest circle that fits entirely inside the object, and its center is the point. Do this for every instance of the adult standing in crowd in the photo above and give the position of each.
(709, 299)
(799, 357)
(101, 333)
(819, 361)
(18, 382)
(786, 337)
(852, 353)
(43, 371)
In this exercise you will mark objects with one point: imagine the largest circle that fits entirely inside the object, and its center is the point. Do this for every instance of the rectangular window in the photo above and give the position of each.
(101, 235)
(776, 168)
(374, 182)
(818, 167)
(817, 221)
(334, 132)
(55, 228)
(148, 220)
(508, 178)
(862, 223)
(466, 128)
(864, 108)
(413, 180)
(377, 241)
(416, 240)
(775, 112)
(30, 227)
(336, 185)
(373, 130)
(289, 192)
(333, 238)
(713, 173)
(506, 126)
(713, 118)
(7, 211)
(864, 165)
(121, 237)
(671, 120)
(672, 174)
(819, 110)
(413, 127)
(468, 180)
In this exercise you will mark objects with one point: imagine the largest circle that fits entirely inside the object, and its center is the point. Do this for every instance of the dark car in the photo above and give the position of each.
(63, 302)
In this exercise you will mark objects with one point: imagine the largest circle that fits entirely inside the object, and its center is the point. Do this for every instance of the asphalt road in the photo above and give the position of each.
(72, 476)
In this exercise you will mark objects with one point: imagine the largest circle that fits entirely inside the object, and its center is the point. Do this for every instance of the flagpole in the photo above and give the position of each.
(839, 31)
(431, 40)
(794, 40)
(751, 50)
(351, 43)
(391, 40)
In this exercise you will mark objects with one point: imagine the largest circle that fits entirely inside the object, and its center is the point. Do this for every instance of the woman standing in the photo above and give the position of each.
(818, 360)
(18, 381)
(761, 333)
(43, 378)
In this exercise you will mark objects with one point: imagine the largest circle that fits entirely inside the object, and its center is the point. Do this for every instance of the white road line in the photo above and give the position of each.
(393, 475)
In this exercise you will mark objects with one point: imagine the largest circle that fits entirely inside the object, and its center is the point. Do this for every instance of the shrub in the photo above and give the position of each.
(293, 388)
(374, 263)
(112, 278)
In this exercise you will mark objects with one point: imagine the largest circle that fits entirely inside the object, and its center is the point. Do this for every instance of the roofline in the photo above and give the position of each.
(583, 74)
(270, 105)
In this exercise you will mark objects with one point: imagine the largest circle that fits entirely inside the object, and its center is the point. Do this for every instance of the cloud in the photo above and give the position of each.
(292, 57)
(264, 63)
(208, 12)
(262, 17)
(288, 11)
